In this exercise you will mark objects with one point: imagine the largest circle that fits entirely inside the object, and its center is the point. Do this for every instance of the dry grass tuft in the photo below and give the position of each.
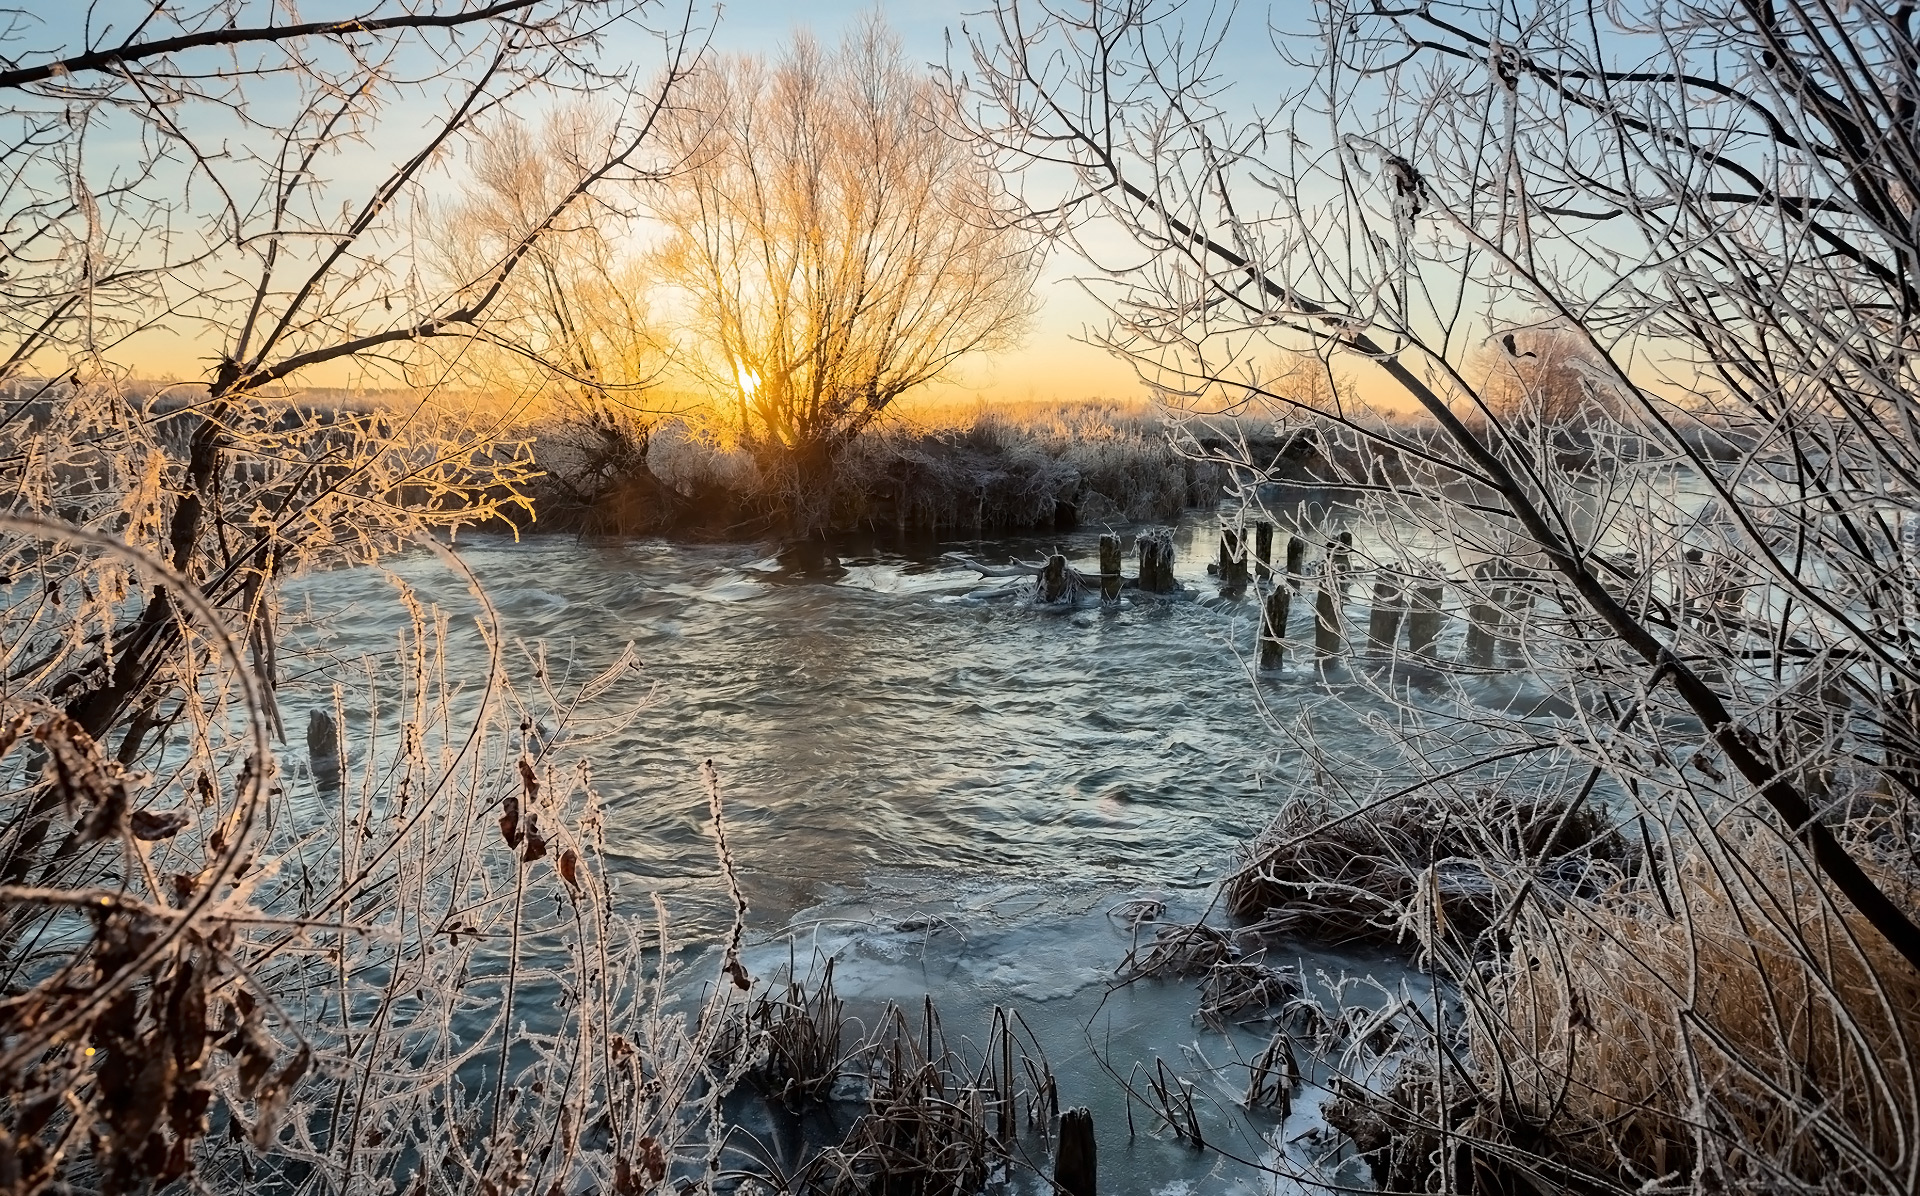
(934, 1124)
(794, 1037)
(1763, 1037)
(935, 1119)
(1730, 1025)
(1274, 1075)
(1179, 950)
(1243, 986)
(1234, 981)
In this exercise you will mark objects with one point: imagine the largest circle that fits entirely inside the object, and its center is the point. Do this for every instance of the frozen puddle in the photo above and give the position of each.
(1049, 953)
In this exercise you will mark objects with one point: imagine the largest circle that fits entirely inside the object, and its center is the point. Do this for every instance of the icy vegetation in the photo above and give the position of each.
(1576, 349)
(958, 470)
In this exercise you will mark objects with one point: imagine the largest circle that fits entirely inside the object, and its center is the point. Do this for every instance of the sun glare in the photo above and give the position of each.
(749, 381)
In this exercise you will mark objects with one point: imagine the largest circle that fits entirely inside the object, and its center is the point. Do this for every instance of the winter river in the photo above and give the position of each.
(945, 789)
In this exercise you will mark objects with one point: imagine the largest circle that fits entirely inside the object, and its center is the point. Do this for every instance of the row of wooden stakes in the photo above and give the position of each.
(1247, 559)
(1398, 602)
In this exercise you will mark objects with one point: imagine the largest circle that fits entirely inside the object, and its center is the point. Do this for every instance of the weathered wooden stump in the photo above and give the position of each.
(1296, 560)
(1273, 627)
(323, 749)
(1713, 594)
(1424, 621)
(1329, 639)
(1516, 604)
(1686, 597)
(1053, 579)
(1483, 619)
(1340, 558)
(1233, 559)
(1077, 1167)
(1262, 550)
(1110, 567)
(1389, 609)
(1156, 560)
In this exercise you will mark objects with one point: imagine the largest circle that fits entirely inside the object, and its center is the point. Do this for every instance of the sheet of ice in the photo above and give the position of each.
(1049, 953)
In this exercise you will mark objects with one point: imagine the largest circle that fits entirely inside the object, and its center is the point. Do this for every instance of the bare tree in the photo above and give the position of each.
(837, 246)
(1545, 376)
(573, 337)
(283, 269)
(193, 936)
(1715, 201)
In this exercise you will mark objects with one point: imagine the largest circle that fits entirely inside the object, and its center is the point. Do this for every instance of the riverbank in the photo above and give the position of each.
(969, 469)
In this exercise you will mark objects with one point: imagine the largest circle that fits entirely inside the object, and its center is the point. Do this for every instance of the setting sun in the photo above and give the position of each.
(748, 379)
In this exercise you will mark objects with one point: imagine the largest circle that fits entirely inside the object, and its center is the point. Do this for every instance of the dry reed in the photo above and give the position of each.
(933, 1124)
(1761, 1038)
(1719, 1022)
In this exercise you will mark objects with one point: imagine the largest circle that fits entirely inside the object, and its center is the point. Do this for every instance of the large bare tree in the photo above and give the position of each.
(836, 243)
(574, 341)
(245, 221)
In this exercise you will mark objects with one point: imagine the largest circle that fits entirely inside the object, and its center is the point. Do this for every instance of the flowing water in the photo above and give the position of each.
(932, 780)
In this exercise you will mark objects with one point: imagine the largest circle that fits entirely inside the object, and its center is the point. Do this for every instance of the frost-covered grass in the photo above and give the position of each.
(233, 956)
(954, 467)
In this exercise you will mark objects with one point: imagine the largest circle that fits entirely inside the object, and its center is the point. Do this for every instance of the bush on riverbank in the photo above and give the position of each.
(1719, 1019)
(1359, 877)
(1740, 1025)
(970, 468)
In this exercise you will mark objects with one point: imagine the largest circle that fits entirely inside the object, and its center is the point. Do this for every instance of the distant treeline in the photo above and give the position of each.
(956, 469)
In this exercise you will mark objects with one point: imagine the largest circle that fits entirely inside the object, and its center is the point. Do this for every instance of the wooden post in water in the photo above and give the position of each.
(1516, 603)
(1389, 608)
(1731, 583)
(1341, 553)
(323, 749)
(1156, 560)
(1076, 1168)
(1262, 550)
(1296, 560)
(1273, 627)
(1053, 579)
(1329, 639)
(1110, 567)
(1423, 621)
(1685, 598)
(1483, 619)
(1233, 559)
(1329, 636)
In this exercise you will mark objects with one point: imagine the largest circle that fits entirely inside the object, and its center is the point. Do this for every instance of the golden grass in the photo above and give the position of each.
(1723, 1023)
(1760, 1038)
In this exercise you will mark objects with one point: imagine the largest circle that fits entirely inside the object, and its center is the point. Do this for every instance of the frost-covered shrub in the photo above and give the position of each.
(974, 468)
(230, 960)
(693, 454)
